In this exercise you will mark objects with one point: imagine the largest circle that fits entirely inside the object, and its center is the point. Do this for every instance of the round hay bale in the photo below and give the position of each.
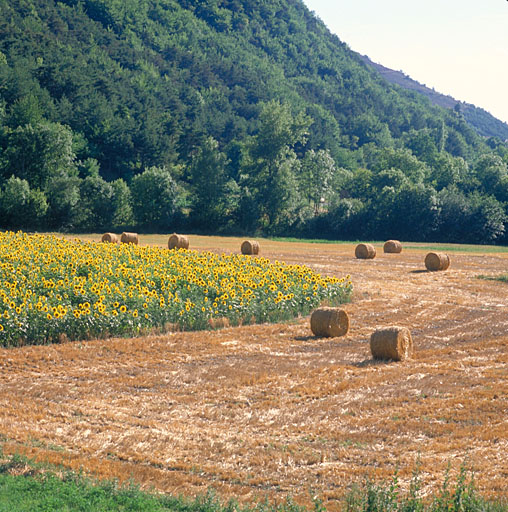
(129, 238)
(437, 261)
(329, 322)
(178, 242)
(110, 238)
(250, 247)
(391, 343)
(365, 251)
(392, 247)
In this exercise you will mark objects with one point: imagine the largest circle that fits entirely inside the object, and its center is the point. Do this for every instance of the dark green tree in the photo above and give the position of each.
(96, 206)
(26, 110)
(348, 219)
(473, 218)
(491, 172)
(272, 165)
(379, 159)
(39, 153)
(63, 198)
(156, 199)
(408, 213)
(122, 205)
(447, 170)
(20, 206)
(209, 179)
(316, 178)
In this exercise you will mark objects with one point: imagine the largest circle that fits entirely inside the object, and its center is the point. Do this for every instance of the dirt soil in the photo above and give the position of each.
(270, 410)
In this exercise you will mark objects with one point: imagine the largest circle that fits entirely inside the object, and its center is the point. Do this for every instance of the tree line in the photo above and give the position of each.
(276, 186)
(229, 116)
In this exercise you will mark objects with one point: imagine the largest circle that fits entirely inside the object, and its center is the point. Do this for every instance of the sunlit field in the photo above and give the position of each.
(55, 289)
(267, 410)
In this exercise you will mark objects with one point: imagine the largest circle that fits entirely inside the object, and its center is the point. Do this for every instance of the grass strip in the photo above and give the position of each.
(430, 246)
(503, 278)
(29, 486)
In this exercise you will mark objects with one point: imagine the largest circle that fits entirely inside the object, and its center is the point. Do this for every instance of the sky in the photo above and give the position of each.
(457, 47)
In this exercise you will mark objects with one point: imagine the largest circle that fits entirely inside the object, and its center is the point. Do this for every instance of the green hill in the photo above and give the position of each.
(223, 115)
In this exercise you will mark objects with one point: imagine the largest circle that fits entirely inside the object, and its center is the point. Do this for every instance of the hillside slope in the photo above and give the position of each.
(142, 82)
(227, 115)
(481, 120)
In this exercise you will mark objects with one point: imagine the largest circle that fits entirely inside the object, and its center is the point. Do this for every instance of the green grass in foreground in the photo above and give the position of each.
(40, 489)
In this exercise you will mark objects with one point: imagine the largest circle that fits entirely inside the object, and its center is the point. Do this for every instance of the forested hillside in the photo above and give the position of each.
(226, 116)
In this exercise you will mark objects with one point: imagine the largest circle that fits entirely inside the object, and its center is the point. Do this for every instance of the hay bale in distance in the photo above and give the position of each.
(250, 247)
(110, 238)
(365, 251)
(178, 242)
(437, 261)
(393, 343)
(129, 238)
(329, 322)
(392, 247)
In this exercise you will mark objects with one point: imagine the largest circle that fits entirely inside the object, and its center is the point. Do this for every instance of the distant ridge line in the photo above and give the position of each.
(482, 121)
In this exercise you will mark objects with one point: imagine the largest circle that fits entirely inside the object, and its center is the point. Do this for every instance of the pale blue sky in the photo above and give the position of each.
(459, 47)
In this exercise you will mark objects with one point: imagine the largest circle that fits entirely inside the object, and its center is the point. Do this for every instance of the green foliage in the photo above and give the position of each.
(272, 166)
(492, 174)
(386, 497)
(503, 278)
(316, 177)
(39, 153)
(212, 201)
(156, 198)
(412, 211)
(470, 218)
(122, 210)
(95, 207)
(20, 206)
(63, 197)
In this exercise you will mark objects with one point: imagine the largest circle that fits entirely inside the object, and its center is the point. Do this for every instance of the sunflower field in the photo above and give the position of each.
(53, 289)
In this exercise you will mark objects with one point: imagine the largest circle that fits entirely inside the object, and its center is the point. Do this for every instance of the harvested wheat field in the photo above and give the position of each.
(270, 410)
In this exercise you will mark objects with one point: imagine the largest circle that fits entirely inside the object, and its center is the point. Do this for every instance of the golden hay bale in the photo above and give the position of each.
(391, 343)
(250, 247)
(437, 261)
(178, 242)
(329, 322)
(110, 238)
(129, 238)
(392, 246)
(365, 251)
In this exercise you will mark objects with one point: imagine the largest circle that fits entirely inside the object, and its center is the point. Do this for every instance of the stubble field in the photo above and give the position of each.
(270, 410)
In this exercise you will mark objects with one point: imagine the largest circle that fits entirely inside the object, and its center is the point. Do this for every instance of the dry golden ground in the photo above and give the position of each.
(270, 410)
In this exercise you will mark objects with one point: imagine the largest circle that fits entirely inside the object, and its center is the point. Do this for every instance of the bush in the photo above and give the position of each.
(156, 199)
(20, 206)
